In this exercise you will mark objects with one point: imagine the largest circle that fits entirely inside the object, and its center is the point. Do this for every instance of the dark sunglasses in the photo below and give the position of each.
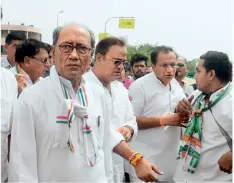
(180, 65)
(118, 62)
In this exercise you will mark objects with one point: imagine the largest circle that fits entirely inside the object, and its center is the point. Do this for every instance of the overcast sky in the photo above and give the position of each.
(191, 27)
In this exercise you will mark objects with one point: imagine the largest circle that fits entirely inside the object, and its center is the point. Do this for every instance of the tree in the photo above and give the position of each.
(144, 49)
(192, 65)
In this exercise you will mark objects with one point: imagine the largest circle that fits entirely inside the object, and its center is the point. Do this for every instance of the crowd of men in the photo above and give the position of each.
(68, 119)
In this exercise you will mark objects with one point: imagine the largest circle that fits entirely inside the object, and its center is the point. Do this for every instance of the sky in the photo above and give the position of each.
(191, 27)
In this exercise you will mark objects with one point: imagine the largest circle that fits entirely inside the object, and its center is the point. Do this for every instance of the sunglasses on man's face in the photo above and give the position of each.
(180, 65)
(118, 62)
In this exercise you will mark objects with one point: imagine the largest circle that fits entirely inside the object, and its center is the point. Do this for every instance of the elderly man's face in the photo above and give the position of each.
(181, 70)
(71, 63)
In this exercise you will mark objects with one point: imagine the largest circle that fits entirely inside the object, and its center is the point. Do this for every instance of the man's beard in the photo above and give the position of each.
(138, 75)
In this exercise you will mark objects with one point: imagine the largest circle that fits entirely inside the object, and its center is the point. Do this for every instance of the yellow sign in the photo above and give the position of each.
(126, 23)
(103, 36)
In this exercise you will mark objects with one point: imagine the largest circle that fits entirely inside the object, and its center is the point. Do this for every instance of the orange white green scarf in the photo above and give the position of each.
(68, 109)
(190, 145)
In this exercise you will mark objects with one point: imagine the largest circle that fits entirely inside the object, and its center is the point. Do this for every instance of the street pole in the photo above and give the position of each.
(58, 17)
(114, 18)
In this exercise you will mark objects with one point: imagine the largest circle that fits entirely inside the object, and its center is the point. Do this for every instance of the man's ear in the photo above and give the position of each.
(52, 51)
(27, 61)
(211, 75)
(98, 58)
(6, 47)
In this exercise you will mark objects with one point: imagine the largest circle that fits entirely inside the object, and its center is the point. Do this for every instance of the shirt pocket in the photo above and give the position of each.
(97, 124)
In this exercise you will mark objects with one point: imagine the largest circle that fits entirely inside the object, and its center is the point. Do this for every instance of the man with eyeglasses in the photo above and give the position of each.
(181, 75)
(60, 131)
(50, 63)
(206, 143)
(110, 60)
(31, 59)
(154, 98)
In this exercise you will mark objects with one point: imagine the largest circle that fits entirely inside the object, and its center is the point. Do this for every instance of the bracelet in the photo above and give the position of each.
(161, 121)
(135, 159)
(132, 157)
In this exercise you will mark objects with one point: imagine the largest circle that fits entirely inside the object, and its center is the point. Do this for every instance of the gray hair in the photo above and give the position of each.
(185, 60)
(57, 31)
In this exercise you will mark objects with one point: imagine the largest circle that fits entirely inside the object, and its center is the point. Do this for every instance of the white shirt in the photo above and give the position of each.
(33, 157)
(9, 92)
(120, 113)
(150, 98)
(213, 143)
(29, 81)
(5, 63)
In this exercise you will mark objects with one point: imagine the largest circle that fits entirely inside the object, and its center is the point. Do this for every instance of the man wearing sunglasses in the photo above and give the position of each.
(31, 59)
(181, 74)
(60, 129)
(110, 61)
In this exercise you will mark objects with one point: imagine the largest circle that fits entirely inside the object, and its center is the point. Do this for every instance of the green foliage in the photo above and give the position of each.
(144, 49)
(192, 65)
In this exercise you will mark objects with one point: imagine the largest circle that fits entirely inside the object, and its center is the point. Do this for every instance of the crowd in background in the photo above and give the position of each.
(68, 119)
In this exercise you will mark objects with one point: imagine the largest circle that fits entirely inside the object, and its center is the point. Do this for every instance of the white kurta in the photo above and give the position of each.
(9, 92)
(119, 112)
(150, 98)
(5, 63)
(29, 81)
(33, 157)
(213, 143)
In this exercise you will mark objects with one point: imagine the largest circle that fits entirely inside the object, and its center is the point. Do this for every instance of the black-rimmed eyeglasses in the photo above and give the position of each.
(82, 50)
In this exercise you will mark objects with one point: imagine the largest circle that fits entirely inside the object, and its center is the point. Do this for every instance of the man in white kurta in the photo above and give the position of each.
(119, 109)
(154, 97)
(120, 114)
(12, 40)
(9, 92)
(31, 58)
(59, 131)
(38, 108)
(214, 72)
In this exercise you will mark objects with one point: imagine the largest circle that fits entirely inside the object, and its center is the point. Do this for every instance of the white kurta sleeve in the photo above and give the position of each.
(23, 156)
(15, 95)
(130, 119)
(137, 98)
(111, 137)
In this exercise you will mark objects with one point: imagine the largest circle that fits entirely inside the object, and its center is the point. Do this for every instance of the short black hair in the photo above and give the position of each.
(220, 63)
(139, 58)
(15, 35)
(160, 49)
(105, 44)
(30, 48)
(49, 47)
